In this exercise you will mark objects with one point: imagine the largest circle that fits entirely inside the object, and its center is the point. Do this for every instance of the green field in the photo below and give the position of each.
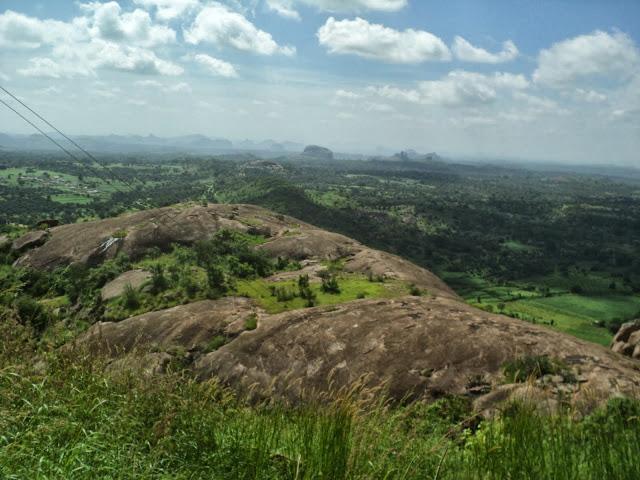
(577, 315)
(352, 287)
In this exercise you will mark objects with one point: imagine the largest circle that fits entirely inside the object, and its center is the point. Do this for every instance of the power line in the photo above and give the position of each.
(116, 177)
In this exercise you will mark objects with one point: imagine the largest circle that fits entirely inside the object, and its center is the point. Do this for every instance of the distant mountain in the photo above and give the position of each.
(317, 151)
(412, 155)
(195, 143)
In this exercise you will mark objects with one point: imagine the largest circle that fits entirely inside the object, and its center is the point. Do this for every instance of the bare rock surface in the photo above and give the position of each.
(189, 327)
(29, 240)
(421, 347)
(117, 286)
(91, 243)
(627, 340)
(416, 347)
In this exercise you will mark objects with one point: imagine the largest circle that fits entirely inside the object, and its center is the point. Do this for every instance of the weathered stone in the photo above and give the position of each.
(627, 340)
(29, 240)
(188, 327)
(117, 286)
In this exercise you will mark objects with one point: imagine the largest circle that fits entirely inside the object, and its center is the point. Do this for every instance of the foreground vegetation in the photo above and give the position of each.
(62, 417)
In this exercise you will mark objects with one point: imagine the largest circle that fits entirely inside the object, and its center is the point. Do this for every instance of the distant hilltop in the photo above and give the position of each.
(318, 152)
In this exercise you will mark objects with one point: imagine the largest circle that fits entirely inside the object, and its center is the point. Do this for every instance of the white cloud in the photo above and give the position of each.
(349, 95)
(286, 8)
(357, 5)
(220, 26)
(109, 55)
(374, 41)
(590, 96)
(458, 88)
(18, 31)
(4, 77)
(104, 38)
(345, 115)
(378, 107)
(466, 52)
(47, 68)
(106, 21)
(154, 84)
(73, 60)
(179, 87)
(169, 9)
(598, 54)
(149, 83)
(216, 66)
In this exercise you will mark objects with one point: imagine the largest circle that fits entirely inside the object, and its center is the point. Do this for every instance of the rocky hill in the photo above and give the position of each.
(420, 342)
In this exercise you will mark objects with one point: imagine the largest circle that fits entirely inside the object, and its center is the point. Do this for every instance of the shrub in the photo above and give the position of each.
(330, 285)
(130, 297)
(530, 366)
(251, 322)
(158, 280)
(415, 291)
(215, 343)
(31, 313)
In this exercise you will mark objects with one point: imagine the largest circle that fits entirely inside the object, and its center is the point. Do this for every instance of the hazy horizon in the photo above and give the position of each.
(550, 82)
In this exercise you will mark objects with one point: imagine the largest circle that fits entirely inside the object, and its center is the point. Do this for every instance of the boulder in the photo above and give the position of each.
(187, 327)
(30, 240)
(627, 340)
(116, 287)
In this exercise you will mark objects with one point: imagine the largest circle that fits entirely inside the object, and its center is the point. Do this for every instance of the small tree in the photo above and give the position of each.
(158, 280)
(330, 284)
(130, 297)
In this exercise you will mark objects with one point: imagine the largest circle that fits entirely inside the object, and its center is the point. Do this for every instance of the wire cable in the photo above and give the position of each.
(94, 159)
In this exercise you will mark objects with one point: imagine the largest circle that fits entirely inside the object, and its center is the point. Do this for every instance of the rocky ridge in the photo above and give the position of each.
(417, 347)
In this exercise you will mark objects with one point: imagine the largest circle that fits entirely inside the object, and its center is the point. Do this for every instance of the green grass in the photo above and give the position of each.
(66, 198)
(74, 422)
(584, 316)
(576, 314)
(351, 288)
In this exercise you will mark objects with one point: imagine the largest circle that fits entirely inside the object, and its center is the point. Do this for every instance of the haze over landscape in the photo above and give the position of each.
(320, 239)
(544, 81)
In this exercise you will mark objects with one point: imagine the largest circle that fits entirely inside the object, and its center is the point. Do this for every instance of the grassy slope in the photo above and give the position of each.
(76, 423)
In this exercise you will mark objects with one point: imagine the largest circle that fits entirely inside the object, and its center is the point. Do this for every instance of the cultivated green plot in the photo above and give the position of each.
(577, 315)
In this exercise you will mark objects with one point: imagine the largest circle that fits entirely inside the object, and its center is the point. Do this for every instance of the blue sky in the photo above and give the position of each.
(549, 80)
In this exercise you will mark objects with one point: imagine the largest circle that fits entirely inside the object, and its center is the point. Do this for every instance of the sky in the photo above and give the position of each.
(550, 80)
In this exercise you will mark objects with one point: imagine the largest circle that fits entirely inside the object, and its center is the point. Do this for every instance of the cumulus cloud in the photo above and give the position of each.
(106, 21)
(73, 60)
(218, 25)
(216, 67)
(47, 68)
(377, 42)
(286, 8)
(18, 31)
(169, 9)
(466, 52)
(103, 38)
(458, 89)
(597, 54)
